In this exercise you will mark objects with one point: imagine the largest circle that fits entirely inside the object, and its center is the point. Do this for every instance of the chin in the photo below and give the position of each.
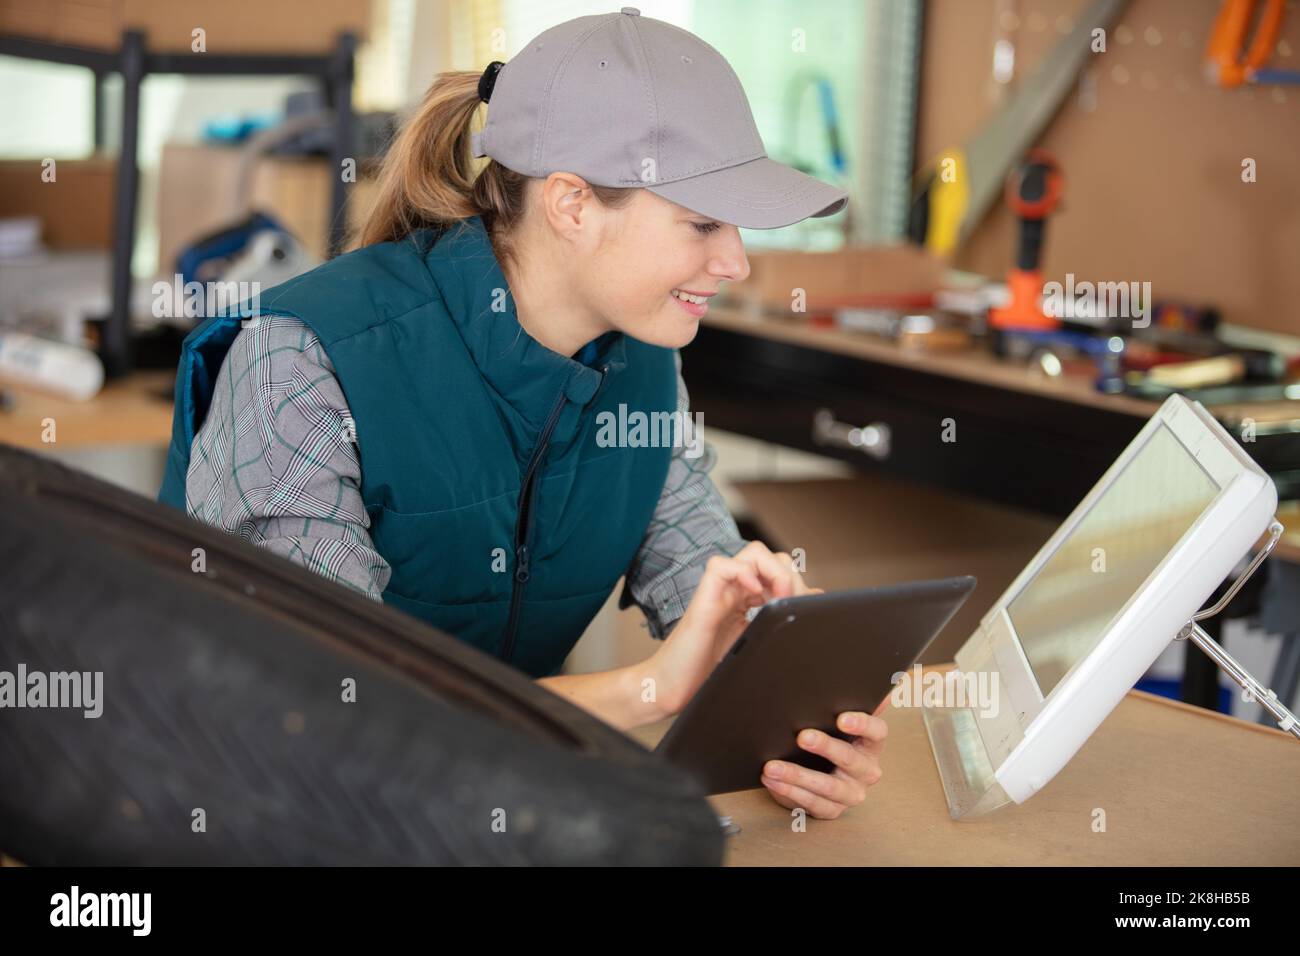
(671, 338)
(671, 331)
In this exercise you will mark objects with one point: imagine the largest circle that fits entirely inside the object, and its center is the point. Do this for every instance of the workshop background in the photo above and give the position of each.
(139, 137)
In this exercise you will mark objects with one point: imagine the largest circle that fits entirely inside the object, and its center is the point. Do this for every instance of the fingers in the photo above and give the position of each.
(721, 571)
(856, 763)
(793, 797)
(870, 731)
(841, 788)
(776, 569)
(727, 589)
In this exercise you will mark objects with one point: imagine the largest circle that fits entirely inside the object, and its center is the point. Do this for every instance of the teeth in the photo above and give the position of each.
(686, 296)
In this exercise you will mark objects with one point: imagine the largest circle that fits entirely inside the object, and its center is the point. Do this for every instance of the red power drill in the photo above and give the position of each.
(1033, 191)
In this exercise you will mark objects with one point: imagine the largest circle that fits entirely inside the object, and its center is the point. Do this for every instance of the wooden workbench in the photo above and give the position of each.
(972, 365)
(133, 410)
(1180, 786)
(967, 421)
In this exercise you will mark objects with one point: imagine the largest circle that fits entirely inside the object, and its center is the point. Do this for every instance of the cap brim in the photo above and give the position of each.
(759, 194)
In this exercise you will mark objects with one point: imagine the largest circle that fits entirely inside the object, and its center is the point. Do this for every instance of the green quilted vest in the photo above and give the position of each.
(507, 521)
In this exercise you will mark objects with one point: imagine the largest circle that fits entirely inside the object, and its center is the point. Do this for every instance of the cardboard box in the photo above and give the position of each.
(76, 209)
(859, 275)
(197, 195)
(232, 26)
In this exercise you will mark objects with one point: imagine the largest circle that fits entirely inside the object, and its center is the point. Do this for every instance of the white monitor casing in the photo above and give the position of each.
(1030, 738)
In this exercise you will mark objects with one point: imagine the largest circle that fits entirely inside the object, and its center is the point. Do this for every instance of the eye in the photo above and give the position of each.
(704, 228)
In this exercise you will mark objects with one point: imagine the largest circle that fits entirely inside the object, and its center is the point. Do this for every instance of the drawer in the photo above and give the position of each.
(1011, 447)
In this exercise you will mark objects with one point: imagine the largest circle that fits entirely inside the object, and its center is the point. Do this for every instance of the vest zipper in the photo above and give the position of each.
(523, 527)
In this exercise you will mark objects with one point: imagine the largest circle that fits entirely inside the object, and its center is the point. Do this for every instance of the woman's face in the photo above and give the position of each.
(646, 254)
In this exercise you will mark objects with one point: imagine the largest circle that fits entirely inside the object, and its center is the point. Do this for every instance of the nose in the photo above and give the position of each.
(727, 260)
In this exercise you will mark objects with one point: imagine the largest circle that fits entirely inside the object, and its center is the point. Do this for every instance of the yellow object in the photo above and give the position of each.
(948, 200)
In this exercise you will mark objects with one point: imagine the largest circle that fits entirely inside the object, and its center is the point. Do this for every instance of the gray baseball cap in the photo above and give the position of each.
(626, 100)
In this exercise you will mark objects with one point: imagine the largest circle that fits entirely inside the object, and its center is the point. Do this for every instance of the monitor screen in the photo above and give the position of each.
(1064, 610)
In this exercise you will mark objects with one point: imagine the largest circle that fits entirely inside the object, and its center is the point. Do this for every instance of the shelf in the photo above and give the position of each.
(133, 61)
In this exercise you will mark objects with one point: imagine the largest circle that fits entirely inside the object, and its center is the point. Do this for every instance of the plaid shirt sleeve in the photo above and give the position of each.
(691, 524)
(274, 460)
(274, 463)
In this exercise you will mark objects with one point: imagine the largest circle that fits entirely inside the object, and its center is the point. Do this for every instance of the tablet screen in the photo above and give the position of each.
(1061, 614)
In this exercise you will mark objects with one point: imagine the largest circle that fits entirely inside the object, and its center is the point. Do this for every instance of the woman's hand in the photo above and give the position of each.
(714, 619)
(857, 767)
(716, 616)
(708, 629)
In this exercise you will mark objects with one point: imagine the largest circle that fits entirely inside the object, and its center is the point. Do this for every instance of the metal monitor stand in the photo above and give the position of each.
(968, 775)
(1192, 631)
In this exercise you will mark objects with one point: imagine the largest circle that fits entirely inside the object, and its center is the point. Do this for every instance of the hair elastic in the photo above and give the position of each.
(489, 80)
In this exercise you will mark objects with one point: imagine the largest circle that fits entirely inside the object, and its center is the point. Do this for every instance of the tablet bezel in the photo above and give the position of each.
(707, 753)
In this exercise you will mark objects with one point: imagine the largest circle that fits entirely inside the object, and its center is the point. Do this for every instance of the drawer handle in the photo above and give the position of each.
(870, 439)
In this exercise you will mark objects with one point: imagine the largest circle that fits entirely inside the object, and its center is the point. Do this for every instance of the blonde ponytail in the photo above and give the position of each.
(428, 177)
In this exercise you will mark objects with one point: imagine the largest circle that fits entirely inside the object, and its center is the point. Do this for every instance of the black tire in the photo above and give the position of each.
(222, 691)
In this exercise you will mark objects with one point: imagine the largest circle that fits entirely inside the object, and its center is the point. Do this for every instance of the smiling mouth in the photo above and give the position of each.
(691, 308)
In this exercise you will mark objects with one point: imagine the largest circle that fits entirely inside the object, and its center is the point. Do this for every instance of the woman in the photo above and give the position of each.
(440, 418)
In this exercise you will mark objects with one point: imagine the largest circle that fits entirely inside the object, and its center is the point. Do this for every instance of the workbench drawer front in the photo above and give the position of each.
(1004, 446)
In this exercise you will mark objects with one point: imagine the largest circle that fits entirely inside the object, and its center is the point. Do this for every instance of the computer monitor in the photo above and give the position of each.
(1085, 619)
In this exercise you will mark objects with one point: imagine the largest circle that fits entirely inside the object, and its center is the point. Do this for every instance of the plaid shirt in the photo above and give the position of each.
(274, 462)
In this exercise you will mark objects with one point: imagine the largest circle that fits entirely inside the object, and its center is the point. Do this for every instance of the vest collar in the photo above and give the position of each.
(525, 373)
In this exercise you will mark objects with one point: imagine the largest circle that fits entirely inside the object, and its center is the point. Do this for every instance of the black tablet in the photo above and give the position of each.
(800, 663)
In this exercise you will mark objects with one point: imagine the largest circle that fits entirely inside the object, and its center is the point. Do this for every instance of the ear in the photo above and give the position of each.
(567, 203)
